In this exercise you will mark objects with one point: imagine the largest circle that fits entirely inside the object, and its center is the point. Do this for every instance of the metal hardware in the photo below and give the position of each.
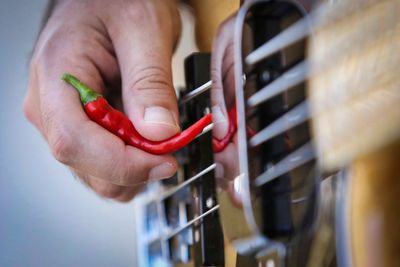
(196, 92)
(291, 119)
(198, 218)
(294, 33)
(302, 155)
(187, 182)
(282, 84)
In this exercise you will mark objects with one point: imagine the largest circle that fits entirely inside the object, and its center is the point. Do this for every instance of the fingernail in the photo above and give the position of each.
(160, 115)
(162, 171)
(218, 115)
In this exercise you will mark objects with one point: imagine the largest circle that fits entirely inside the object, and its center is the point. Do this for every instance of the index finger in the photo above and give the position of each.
(82, 144)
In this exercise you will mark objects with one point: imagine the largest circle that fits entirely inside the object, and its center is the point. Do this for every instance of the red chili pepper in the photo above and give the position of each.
(100, 111)
(220, 144)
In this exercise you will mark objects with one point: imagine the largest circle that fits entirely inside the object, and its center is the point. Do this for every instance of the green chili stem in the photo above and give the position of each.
(86, 94)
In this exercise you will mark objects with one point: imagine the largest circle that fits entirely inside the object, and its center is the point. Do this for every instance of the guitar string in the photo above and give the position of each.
(196, 92)
(187, 182)
(189, 223)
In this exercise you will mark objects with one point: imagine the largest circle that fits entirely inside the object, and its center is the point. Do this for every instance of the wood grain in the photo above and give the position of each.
(375, 211)
(354, 89)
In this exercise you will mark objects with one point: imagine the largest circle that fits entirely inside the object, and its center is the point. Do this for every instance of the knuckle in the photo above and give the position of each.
(151, 78)
(28, 106)
(216, 79)
(34, 62)
(133, 11)
(46, 50)
(108, 190)
(131, 174)
(125, 176)
(126, 197)
(61, 146)
(28, 110)
(215, 73)
(118, 173)
(54, 48)
(41, 63)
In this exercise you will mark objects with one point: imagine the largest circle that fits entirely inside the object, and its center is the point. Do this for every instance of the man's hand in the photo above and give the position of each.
(107, 43)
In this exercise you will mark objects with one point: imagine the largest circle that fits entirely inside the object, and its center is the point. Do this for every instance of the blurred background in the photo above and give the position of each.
(47, 217)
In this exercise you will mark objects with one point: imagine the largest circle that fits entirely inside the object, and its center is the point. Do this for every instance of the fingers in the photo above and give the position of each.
(222, 74)
(108, 190)
(56, 110)
(82, 45)
(144, 55)
(31, 106)
(89, 147)
(222, 98)
(227, 163)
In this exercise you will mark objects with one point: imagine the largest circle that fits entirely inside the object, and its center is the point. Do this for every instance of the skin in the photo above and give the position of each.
(112, 45)
(109, 45)
(223, 96)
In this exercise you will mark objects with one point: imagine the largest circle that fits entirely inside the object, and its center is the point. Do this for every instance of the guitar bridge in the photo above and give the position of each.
(182, 225)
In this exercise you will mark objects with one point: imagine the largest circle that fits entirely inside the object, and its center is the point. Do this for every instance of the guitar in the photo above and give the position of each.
(351, 82)
(275, 195)
(181, 213)
(279, 208)
(181, 222)
(180, 219)
(357, 124)
(181, 225)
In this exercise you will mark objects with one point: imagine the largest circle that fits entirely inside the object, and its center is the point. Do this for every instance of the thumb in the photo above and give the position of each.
(144, 49)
